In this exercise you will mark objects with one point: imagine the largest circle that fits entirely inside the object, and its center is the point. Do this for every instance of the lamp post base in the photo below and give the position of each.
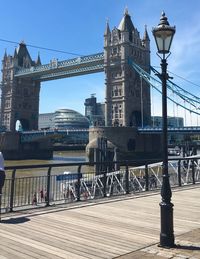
(167, 232)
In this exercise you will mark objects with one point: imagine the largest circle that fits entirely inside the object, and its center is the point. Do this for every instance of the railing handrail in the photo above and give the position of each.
(122, 163)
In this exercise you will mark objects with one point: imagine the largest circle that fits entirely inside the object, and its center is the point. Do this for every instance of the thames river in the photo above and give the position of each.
(58, 157)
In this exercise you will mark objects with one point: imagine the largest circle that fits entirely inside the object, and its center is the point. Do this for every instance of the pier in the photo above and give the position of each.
(123, 227)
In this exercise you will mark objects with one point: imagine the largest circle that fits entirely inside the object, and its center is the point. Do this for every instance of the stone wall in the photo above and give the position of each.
(13, 149)
(129, 143)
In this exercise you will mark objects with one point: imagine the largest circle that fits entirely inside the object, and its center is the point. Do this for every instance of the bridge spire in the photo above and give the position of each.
(15, 53)
(107, 30)
(146, 36)
(5, 55)
(38, 61)
(146, 39)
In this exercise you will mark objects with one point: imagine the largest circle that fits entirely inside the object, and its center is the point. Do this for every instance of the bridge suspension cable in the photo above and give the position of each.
(181, 93)
(43, 48)
(185, 95)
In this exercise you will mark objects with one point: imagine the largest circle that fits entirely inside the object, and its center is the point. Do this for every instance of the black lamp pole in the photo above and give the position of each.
(163, 34)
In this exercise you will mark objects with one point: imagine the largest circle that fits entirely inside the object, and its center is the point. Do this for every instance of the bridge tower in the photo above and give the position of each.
(127, 101)
(20, 97)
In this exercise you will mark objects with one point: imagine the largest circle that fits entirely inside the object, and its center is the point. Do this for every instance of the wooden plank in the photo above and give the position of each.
(101, 231)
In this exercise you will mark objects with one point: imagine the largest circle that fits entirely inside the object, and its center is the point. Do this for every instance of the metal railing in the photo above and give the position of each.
(51, 186)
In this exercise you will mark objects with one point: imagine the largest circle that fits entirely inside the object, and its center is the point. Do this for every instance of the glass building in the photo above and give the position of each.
(63, 119)
(66, 118)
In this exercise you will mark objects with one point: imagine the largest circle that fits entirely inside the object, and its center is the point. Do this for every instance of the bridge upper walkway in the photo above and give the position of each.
(66, 68)
(126, 227)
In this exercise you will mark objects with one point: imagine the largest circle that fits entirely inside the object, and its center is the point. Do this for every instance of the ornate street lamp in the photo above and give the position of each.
(163, 35)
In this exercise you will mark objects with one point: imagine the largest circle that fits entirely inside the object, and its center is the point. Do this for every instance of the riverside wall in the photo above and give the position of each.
(130, 144)
(13, 149)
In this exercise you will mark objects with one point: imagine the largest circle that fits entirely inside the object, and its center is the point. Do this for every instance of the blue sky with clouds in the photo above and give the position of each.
(78, 26)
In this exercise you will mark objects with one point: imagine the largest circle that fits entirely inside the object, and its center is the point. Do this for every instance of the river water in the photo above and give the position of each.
(58, 157)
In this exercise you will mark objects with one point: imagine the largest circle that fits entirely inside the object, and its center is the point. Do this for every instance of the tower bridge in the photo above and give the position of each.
(22, 76)
(126, 64)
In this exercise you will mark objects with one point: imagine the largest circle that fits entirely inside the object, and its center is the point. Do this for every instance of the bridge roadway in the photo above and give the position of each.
(182, 130)
(28, 136)
(126, 227)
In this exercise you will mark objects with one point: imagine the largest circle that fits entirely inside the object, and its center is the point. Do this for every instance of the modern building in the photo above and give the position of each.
(172, 121)
(66, 118)
(63, 119)
(46, 121)
(94, 111)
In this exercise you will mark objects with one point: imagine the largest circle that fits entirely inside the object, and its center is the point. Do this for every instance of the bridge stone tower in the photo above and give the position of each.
(127, 95)
(20, 97)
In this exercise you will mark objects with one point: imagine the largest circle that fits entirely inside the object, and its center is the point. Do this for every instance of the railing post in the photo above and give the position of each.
(78, 191)
(12, 190)
(127, 180)
(146, 178)
(179, 173)
(0, 204)
(193, 172)
(104, 184)
(47, 195)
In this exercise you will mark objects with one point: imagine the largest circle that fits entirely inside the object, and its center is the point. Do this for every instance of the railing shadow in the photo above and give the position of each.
(19, 220)
(188, 247)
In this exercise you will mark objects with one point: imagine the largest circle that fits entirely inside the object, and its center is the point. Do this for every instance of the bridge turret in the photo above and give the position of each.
(146, 39)
(23, 57)
(107, 35)
(126, 27)
(146, 44)
(5, 55)
(123, 84)
(20, 97)
(38, 61)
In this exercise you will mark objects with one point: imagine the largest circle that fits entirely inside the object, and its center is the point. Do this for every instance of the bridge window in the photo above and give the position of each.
(25, 92)
(7, 103)
(120, 113)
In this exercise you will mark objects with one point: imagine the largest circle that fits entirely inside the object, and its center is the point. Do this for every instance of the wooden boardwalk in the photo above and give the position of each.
(104, 230)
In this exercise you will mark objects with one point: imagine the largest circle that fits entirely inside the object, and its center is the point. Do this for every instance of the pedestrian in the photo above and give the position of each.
(34, 201)
(42, 195)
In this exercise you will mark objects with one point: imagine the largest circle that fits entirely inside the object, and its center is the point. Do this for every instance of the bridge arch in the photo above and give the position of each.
(22, 124)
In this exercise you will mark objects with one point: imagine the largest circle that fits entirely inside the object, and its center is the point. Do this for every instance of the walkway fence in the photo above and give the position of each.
(53, 184)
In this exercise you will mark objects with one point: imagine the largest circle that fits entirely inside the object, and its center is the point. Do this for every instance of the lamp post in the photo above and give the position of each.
(163, 35)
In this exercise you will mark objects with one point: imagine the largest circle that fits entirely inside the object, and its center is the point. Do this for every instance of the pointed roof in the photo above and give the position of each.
(107, 30)
(146, 36)
(5, 54)
(126, 22)
(38, 61)
(15, 53)
(22, 53)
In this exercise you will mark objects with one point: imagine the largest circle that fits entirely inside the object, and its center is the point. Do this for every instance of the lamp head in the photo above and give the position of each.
(163, 35)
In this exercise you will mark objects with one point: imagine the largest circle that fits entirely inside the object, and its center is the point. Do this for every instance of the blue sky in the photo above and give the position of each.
(78, 26)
